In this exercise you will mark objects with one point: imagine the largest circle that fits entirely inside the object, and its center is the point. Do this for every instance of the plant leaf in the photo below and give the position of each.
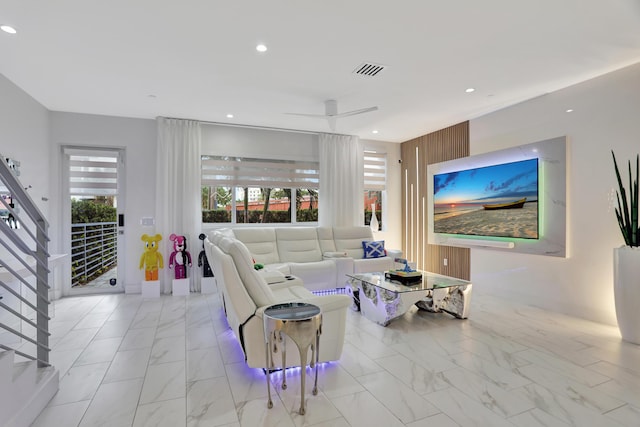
(627, 214)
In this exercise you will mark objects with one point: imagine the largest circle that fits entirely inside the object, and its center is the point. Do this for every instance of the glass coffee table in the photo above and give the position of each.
(381, 300)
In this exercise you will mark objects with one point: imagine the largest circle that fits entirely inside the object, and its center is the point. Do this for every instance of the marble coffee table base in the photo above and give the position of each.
(382, 306)
(455, 301)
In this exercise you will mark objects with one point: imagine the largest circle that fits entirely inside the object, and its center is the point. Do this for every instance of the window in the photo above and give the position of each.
(91, 176)
(375, 177)
(239, 190)
(216, 203)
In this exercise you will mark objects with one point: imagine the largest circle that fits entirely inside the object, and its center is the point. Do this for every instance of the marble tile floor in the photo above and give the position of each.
(173, 361)
(102, 281)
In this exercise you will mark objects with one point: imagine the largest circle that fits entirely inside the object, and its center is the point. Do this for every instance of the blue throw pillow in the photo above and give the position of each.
(373, 249)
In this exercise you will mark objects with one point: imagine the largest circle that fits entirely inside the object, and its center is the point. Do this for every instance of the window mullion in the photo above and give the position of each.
(234, 190)
(292, 203)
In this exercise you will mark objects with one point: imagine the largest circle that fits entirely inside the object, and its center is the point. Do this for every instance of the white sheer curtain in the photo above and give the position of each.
(341, 181)
(178, 192)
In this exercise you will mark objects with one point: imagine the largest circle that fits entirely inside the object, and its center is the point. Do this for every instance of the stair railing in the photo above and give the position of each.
(24, 254)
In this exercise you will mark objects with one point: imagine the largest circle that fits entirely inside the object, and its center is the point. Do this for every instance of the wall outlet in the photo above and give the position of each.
(445, 262)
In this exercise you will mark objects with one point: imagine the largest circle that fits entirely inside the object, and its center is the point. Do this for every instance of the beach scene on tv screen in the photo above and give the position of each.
(496, 201)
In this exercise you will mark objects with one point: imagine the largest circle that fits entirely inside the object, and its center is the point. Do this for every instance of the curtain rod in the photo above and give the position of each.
(238, 125)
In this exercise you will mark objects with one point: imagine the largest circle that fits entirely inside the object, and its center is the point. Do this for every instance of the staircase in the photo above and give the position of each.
(25, 389)
(27, 380)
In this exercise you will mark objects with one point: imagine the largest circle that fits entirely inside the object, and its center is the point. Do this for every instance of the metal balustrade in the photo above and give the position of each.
(24, 274)
(93, 250)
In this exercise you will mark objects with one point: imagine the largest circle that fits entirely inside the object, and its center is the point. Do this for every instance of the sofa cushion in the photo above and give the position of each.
(344, 266)
(329, 255)
(349, 240)
(373, 249)
(238, 304)
(216, 235)
(261, 243)
(369, 265)
(271, 276)
(282, 267)
(316, 275)
(325, 237)
(298, 244)
(292, 293)
(256, 286)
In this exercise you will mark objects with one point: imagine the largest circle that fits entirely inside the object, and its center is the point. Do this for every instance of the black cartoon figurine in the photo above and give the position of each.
(202, 259)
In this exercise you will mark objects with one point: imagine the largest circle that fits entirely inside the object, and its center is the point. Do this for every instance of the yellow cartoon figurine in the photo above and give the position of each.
(151, 259)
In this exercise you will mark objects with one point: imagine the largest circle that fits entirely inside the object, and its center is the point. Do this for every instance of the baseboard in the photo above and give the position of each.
(133, 288)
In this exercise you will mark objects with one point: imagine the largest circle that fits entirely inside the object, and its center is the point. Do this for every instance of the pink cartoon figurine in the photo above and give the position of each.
(180, 257)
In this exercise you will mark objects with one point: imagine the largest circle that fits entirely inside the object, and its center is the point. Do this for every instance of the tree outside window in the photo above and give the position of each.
(242, 190)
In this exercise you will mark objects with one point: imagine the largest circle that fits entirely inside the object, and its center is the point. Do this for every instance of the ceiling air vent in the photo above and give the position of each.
(368, 69)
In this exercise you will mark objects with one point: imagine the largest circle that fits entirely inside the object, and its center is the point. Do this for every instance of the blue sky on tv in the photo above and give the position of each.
(496, 183)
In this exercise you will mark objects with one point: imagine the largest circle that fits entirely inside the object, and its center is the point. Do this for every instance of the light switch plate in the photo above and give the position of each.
(147, 221)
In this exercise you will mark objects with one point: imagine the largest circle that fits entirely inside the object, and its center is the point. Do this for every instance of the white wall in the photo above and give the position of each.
(606, 116)
(24, 136)
(219, 140)
(138, 139)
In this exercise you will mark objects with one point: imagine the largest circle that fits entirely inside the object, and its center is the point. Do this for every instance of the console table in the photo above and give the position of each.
(302, 323)
(382, 300)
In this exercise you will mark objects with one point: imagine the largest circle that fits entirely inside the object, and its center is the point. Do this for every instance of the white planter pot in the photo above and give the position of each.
(626, 288)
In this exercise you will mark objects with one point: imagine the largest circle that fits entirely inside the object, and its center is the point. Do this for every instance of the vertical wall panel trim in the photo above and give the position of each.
(446, 144)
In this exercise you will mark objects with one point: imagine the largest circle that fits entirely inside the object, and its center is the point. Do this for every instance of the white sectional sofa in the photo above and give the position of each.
(319, 256)
(246, 294)
(297, 260)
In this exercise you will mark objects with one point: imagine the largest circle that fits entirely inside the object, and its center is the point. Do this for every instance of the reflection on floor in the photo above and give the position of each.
(102, 281)
(173, 362)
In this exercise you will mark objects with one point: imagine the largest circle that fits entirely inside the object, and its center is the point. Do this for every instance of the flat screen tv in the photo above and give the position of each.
(495, 201)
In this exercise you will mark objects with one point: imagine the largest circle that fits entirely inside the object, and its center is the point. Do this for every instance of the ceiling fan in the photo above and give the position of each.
(331, 113)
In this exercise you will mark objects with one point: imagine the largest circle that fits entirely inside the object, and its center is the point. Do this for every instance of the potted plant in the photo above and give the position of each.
(626, 259)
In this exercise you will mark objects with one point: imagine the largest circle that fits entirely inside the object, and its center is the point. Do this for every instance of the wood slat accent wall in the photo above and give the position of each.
(446, 144)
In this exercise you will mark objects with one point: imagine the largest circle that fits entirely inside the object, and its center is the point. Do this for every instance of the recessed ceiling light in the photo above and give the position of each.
(8, 29)
(374, 131)
(261, 48)
(470, 89)
(229, 116)
(569, 110)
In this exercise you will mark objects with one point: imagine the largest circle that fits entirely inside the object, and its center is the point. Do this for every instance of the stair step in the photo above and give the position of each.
(21, 385)
(6, 367)
(25, 371)
(22, 400)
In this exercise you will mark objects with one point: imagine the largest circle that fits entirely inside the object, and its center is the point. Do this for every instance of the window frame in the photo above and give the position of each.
(235, 173)
(375, 180)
